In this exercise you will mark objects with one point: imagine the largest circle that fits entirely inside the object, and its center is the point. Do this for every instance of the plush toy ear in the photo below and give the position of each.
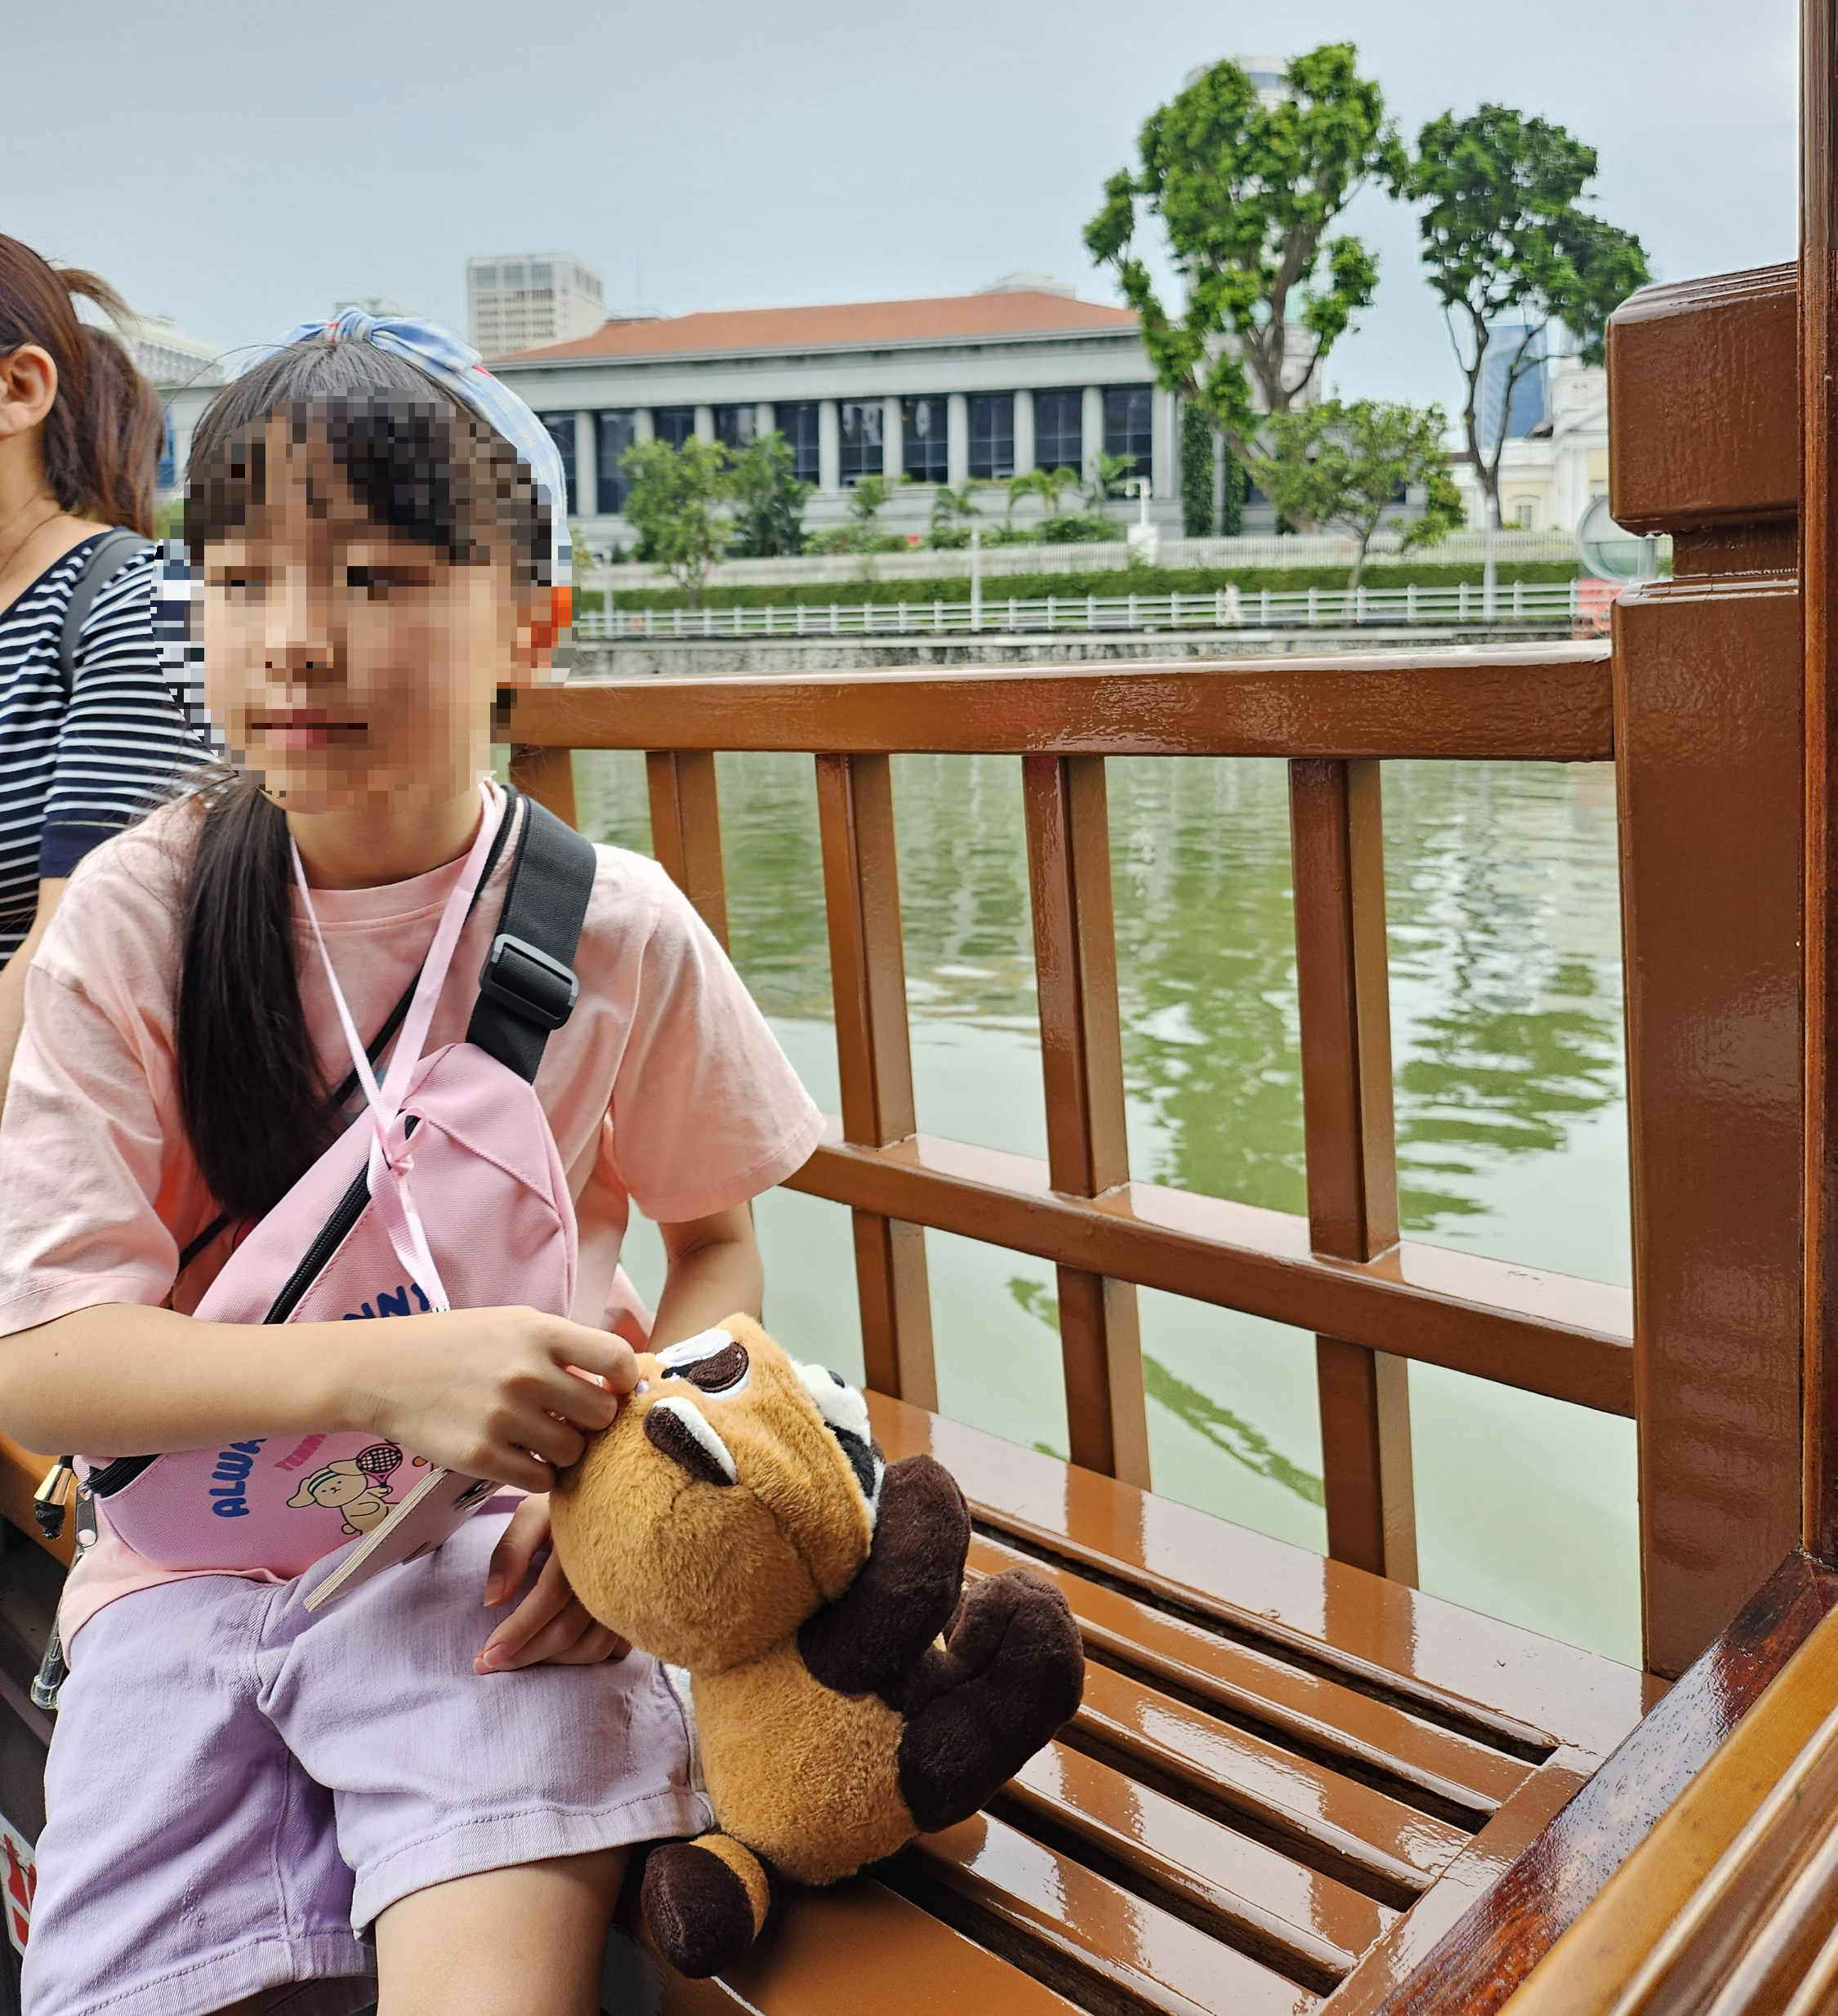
(844, 1412)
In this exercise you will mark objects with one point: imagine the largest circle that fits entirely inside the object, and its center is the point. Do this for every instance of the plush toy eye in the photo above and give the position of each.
(713, 1363)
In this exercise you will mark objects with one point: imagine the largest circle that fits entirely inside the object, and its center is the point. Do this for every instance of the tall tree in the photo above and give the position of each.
(768, 499)
(674, 503)
(1246, 191)
(1506, 239)
(1347, 464)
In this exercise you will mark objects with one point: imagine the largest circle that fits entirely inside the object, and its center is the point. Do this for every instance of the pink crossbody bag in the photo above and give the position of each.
(446, 1191)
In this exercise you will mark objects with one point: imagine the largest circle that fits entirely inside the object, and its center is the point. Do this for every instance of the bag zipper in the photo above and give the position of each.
(121, 1472)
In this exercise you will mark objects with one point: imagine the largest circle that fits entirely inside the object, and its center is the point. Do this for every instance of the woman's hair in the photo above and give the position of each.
(102, 435)
(427, 468)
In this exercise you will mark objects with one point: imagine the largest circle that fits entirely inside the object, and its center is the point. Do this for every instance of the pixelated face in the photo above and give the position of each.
(346, 662)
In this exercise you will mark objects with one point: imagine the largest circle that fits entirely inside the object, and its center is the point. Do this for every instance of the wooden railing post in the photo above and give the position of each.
(1818, 561)
(547, 775)
(686, 829)
(1704, 444)
(1337, 849)
(874, 1059)
(1082, 1058)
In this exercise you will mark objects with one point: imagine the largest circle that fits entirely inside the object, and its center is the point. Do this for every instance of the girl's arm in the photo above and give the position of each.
(714, 1272)
(12, 979)
(487, 1392)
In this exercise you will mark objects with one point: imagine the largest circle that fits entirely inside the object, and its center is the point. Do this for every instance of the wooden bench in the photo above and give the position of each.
(1287, 1779)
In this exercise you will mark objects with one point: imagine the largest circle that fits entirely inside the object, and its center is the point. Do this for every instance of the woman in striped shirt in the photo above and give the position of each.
(79, 440)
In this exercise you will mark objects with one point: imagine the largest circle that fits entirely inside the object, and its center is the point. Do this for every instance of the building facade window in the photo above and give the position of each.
(561, 432)
(796, 419)
(862, 453)
(1129, 425)
(992, 435)
(674, 424)
(734, 426)
(925, 438)
(1059, 429)
(614, 432)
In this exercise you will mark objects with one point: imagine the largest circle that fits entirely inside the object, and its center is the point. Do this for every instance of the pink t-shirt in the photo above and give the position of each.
(665, 1086)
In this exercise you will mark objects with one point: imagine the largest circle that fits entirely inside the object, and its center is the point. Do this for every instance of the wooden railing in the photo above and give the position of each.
(1373, 1300)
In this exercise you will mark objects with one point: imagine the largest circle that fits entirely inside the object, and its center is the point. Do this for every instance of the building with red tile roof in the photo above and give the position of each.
(949, 389)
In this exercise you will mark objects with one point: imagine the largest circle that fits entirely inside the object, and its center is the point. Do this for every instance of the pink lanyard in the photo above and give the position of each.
(391, 1163)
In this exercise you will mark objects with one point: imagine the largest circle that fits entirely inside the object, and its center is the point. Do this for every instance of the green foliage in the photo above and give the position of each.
(1047, 484)
(1232, 503)
(1505, 234)
(1246, 193)
(675, 504)
(1197, 513)
(1346, 463)
(955, 587)
(950, 510)
(1077, 529)
(768, 498)
(1109, 473)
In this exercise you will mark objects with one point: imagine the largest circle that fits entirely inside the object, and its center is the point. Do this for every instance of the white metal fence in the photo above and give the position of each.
(1515, 602)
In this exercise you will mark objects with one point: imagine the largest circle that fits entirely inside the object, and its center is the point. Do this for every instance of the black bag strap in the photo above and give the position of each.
(108, 554)
(374, 1049)
(527, 986)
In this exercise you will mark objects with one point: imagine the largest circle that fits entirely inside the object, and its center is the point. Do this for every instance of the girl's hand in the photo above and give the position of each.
(489, 1392)
(549, 1627)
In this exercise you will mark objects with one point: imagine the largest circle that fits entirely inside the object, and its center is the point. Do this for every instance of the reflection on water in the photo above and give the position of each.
(1506, 1042)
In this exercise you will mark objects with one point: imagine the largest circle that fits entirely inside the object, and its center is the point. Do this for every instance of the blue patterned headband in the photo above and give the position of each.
(457, 368)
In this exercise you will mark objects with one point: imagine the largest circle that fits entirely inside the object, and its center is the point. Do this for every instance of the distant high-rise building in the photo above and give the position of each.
(378, 304)
(1269, 75)
(1531, 393)
(516, 300)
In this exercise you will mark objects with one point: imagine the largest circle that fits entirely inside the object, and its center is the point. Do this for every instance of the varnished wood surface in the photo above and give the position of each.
(1501, 1938)
(1336, 826)
(1310, 1713)
(874, 1059)
(1706, 1885)
(1081, 1069)
(1523, 1326)
(1512, 705)
(1509, 1689)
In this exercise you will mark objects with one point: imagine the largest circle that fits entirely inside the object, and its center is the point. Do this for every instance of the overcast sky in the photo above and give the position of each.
(240, 166)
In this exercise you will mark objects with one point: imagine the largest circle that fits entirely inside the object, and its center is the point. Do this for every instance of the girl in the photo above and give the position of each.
(79, 440)
(240, 1796)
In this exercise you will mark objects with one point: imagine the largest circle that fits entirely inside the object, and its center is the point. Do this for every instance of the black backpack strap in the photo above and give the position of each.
(527, 986)
(109, 553)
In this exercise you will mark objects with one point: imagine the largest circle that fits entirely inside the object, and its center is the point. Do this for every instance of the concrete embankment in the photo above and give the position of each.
(719, 658)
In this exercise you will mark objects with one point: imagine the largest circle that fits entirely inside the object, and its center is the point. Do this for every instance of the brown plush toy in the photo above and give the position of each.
(738, 1521)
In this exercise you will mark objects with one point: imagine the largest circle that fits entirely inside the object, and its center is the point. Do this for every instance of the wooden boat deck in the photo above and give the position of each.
(1288, 1778)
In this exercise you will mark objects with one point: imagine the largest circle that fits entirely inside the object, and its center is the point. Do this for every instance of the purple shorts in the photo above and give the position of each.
(236, 1790)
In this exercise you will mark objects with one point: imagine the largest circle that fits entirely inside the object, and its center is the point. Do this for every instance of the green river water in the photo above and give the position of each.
(1506, 995)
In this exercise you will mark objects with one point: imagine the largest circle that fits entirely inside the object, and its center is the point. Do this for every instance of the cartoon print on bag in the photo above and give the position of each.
(357, 1486)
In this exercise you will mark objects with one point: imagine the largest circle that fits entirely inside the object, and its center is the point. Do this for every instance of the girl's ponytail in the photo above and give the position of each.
(102, 435)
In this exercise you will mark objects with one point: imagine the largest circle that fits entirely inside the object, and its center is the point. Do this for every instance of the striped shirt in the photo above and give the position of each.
(74, 771)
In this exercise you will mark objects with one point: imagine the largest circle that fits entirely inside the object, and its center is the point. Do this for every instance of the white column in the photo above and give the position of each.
(1024, 433)
(765, 419)
(1091, 429)
(705, 423)
(956, 441)
(1164, 440)
(829, 446)
(893, 453)
(643, 428)
(587, 467)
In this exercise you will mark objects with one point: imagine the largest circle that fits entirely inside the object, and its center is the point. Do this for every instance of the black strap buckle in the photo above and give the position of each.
(529, 982)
